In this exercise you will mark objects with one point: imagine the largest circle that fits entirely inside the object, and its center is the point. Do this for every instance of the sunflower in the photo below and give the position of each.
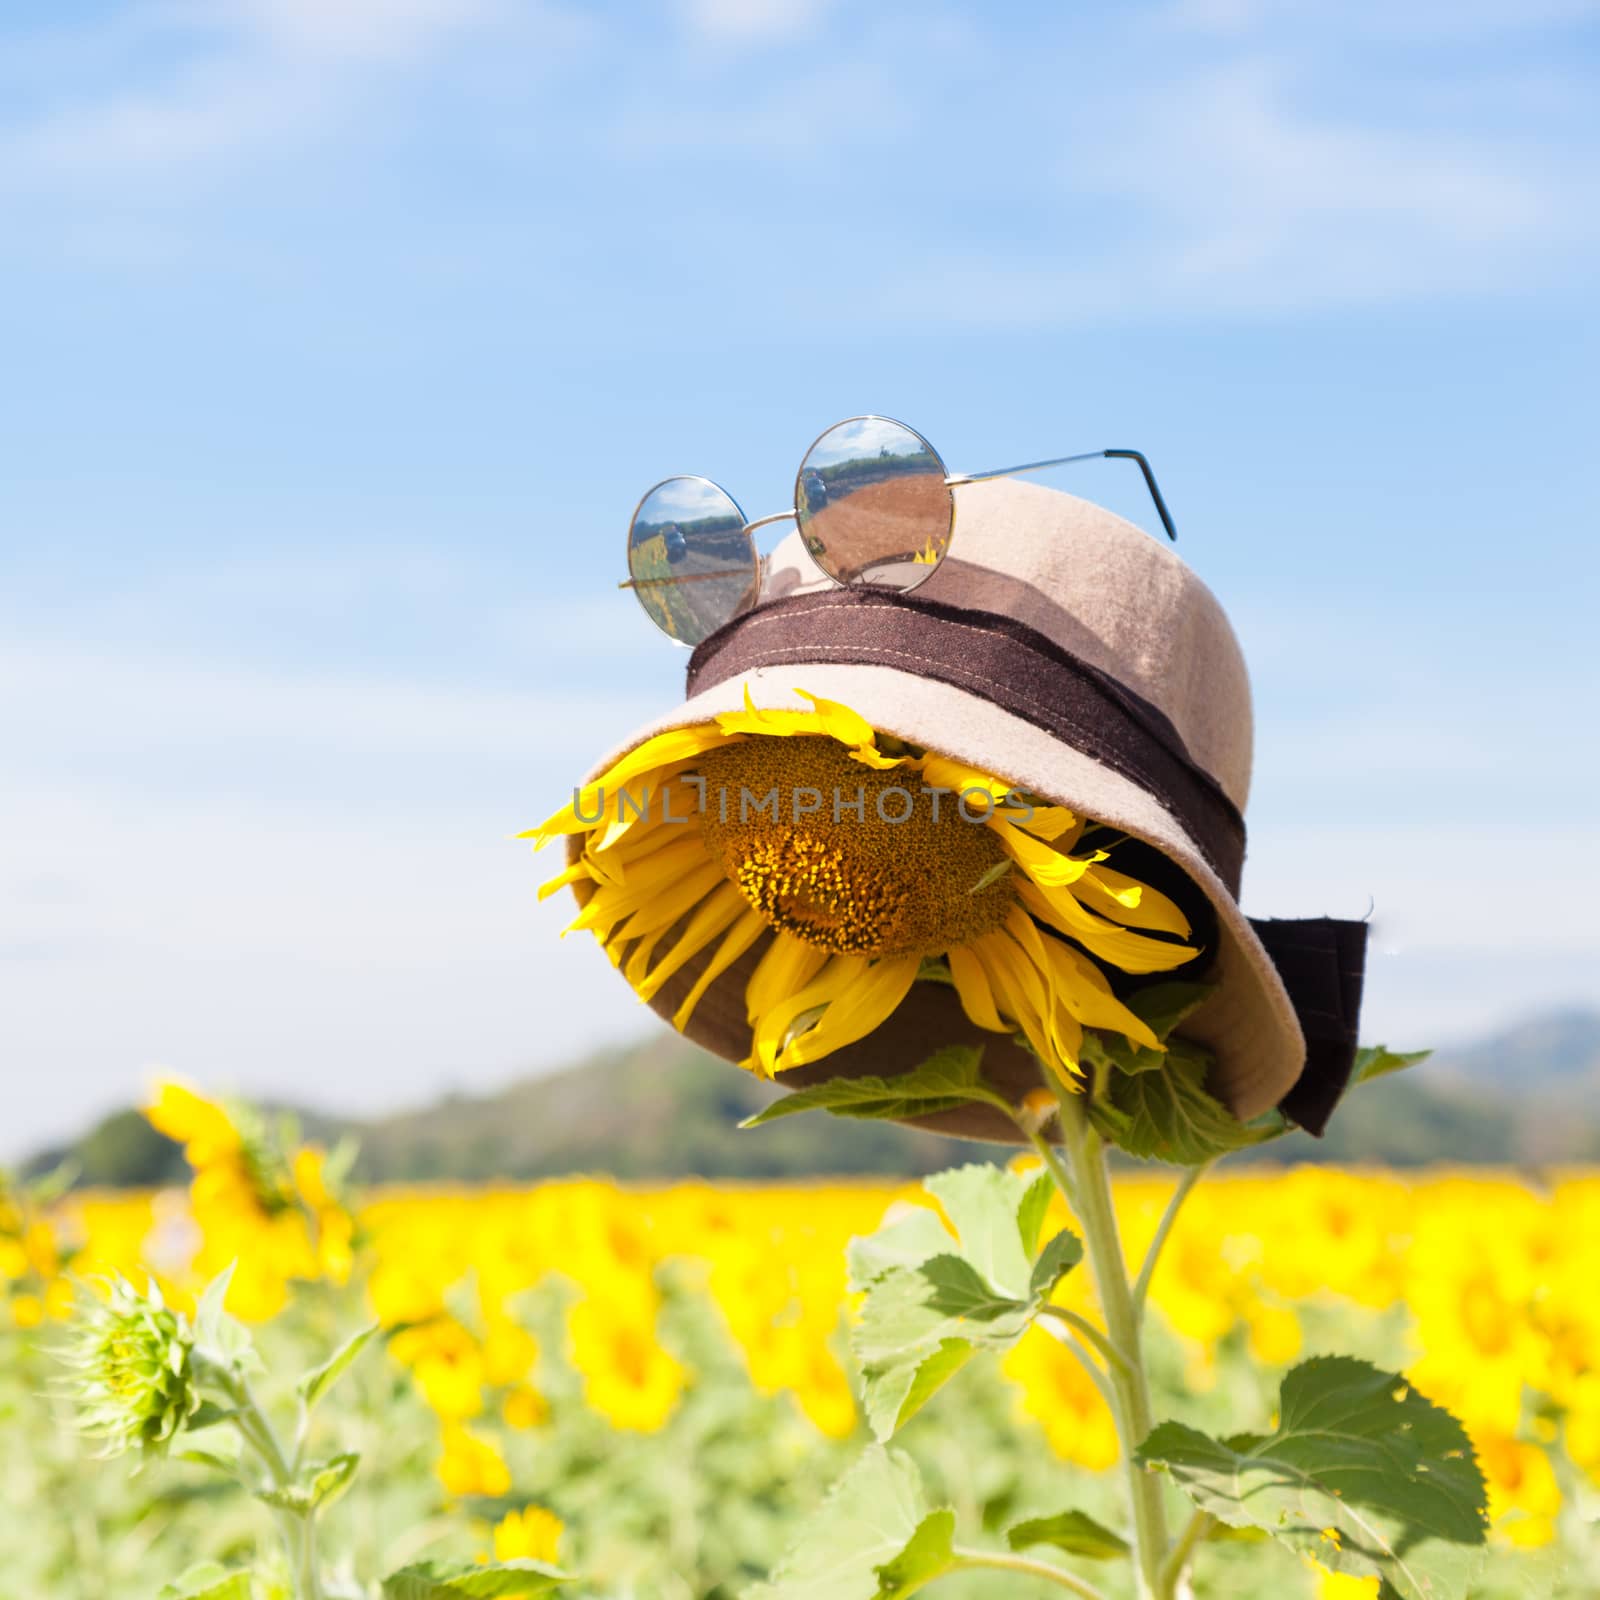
(871, 865)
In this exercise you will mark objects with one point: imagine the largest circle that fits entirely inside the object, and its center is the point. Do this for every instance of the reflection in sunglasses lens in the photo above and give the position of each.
(873, 506)
(693, 566)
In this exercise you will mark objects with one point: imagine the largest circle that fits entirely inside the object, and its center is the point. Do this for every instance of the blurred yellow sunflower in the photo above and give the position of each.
(873, 863)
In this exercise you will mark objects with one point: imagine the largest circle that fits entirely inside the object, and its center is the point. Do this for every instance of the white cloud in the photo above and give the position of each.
(1456, 949)
(298, 884)
(363, 30)
(1434, 20)
(1236, 183)
(241, 77)
(752, 21)
(136, 704)
(848, 101)
(357, 964)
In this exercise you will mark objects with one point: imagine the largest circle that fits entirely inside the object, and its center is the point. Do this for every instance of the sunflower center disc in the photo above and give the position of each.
(852, 860)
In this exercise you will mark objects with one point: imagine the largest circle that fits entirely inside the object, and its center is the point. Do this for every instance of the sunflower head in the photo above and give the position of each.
(842, 868)
(133, 1366)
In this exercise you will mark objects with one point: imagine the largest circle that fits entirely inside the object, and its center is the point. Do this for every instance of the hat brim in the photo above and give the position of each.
(1248, 1023)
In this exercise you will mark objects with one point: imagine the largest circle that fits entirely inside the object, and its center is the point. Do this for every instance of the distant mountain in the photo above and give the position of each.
(665, 1109)
(1548, 1052)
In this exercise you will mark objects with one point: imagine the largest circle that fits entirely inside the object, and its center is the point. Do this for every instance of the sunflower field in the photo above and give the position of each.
(646, 1392)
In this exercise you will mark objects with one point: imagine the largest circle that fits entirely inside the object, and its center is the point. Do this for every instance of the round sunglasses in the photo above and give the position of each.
(872, 503)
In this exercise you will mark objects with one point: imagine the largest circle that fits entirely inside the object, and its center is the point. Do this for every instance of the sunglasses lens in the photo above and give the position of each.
(693, 566)
(873, 506)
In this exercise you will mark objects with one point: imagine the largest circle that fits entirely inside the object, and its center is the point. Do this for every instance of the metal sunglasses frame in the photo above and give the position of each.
(952, 481)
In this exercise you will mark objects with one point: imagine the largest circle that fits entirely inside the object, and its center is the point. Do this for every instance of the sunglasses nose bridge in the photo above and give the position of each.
(766, 522)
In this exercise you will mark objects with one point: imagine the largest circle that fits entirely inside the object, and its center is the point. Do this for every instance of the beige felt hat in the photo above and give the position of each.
(1060, 647)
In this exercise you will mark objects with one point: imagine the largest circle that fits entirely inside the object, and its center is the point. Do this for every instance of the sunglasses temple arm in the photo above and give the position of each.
(1066, 461)
(1152, 486)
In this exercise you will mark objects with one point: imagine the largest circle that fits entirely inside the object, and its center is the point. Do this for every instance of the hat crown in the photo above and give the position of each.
(1100, 588)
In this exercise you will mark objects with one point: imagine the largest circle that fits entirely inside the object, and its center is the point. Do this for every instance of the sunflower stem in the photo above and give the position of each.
(298, 1529)
(1090, 1198)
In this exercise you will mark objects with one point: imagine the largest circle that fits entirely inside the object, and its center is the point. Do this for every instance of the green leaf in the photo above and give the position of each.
(1076, 1532)
(317, 1483)
(907, 1349)
(985, 1205)
(1378, 1061)
(872, 1538)
(330, 1479)
(208, 1581)
(316, 1383)
(1056, 1260)
(933, 1301)
(295, 1498)
(224, 1338)
(1170, 1116)
(929, 1553)
(949, 1078)
(1162, 1006)
(909, 1236)
(954, 1287)
(1035, 1207)
(1362, 1474)
(208, 1414)
(504, 1580)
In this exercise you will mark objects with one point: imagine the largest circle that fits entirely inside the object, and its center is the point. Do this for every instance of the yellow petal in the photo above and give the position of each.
(973, 990)
(787, 965)
(1083, 989)
(772, 1026)
(868, 1001)
(1003, 964)
(1132, 952)
(1047, 822)
(715, 914)
(739, 938)
(664, 908)
(638, 962)
(943, 772)
(578, 869)
(673, 752)
(640, 806)
(611, 902)
(1128, 901)
(1042, 862)
(840, 722)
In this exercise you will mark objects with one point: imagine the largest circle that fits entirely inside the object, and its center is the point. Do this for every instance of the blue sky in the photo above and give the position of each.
(340, 337)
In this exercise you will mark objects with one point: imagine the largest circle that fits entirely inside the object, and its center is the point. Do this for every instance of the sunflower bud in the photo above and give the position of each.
(134, 1379)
